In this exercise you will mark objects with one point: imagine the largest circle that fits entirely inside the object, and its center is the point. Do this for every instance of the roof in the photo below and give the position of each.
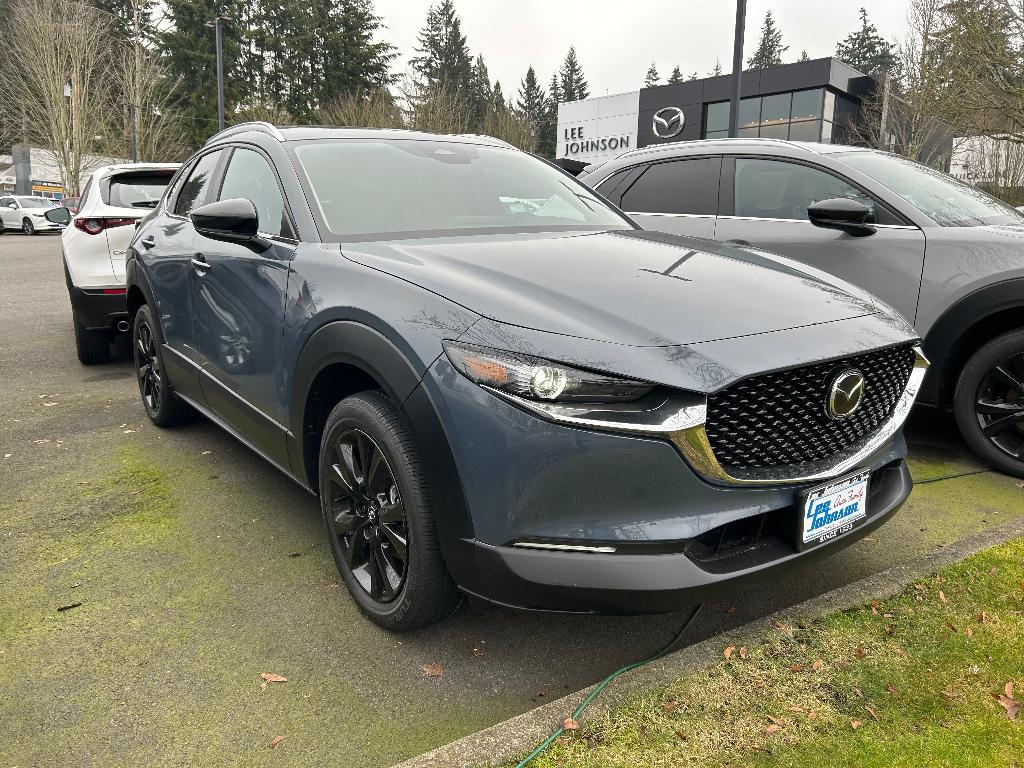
(306, 132)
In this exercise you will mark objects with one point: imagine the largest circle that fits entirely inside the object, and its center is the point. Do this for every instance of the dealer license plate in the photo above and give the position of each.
(832, 510)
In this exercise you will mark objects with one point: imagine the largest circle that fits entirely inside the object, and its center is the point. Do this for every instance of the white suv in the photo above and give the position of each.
(26, 213)
(95, 244)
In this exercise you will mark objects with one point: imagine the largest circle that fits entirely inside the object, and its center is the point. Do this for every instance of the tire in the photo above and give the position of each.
(369, 506)
(92, 346)
(989, 402)
(162, 406)
(28, 227)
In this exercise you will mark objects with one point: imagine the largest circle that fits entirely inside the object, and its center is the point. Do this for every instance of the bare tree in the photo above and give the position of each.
(511, 126)
(58, 68)
(994, 163)
(367, 110)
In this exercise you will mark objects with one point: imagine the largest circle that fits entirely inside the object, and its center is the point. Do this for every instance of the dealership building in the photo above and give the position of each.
(812, 100)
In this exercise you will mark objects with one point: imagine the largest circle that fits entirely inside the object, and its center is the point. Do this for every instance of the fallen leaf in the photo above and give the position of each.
(859, 651)
(276, 740)
(942, 596)
(950, 627)
(680, 735)
(812, 714)
(728, 652)
(68, 607)
(776, 721)
(670, 705)
(970, 632)
(798, 709)
(855, 724)
(743, 652)
(1011, 706)
(795, 668)
(890, 688)
(816, 665)
(270, 677)
(772, 729)
(874, 607)
(570, 725)
(1008, 689)
(871, 711)
(433, 669)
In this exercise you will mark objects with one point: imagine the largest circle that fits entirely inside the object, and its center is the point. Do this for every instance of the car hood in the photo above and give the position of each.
(629, 287)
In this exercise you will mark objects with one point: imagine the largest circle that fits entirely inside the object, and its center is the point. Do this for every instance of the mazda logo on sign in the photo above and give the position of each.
(845, 394)
(668, 122)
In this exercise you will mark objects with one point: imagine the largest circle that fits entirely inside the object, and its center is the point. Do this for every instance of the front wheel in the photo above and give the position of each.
(380, 525)
(162, 407)
(989, 402)
(28, 227)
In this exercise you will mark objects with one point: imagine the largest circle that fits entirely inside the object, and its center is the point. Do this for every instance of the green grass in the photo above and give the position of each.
(908, 681)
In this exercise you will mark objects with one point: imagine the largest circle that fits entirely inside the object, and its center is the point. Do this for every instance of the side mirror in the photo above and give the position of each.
(234, 221)
(843, 214)
(58, 215)
(13, 206)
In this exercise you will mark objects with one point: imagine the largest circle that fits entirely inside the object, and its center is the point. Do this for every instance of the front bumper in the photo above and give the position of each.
(670, 577)
(530, 481)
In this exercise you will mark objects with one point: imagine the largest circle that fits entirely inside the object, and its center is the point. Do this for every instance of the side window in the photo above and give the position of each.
(250, 176)
(677, 186)
(774, 189)
(5, 201)
(609, 187)
(193, 191)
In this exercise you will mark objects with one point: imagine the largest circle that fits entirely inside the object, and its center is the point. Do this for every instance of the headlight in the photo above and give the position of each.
(539, 379)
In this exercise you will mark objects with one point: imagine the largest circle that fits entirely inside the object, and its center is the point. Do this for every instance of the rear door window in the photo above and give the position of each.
(676, 186)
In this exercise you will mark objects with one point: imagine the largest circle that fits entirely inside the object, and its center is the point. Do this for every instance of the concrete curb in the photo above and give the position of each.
(511, 738)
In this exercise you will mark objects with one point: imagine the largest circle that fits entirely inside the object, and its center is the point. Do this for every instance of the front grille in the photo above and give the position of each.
(780, 420)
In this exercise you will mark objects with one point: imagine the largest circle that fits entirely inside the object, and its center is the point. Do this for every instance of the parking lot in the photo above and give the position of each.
(150, 576)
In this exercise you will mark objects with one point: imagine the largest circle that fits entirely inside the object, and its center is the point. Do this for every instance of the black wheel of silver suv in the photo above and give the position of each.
(378, 516)
(989, 402)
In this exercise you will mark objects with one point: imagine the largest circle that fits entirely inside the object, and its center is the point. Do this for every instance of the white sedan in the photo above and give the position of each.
(26, 213)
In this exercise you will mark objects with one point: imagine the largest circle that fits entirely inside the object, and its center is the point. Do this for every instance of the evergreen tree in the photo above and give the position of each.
(573, 82)
(866, 50)
(717, 71)
(188, 48)
(676, 76)
(354, 60)
(480, 92)
(694, 76)
(532, 102)
(652, 77)
(498, 98)
(443, 58)
(123, 13)
(555, 90)
(769, 48)
(549, 129)
(804, 56)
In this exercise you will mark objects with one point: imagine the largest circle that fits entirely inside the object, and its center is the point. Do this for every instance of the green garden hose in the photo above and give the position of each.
(540, 748)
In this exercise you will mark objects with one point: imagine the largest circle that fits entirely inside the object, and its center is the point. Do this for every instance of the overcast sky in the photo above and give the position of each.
(617, 40)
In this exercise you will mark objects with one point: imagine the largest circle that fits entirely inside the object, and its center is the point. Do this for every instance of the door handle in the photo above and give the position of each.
(201, 265)
(148, 241)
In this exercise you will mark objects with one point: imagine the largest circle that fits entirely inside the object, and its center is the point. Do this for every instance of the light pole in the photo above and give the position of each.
(215, 25)
(737, 68)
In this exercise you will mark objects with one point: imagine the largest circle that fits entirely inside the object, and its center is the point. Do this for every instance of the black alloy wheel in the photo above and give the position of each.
(162, 407)
(989, 402)
(378, 516)
(369, 517)
(27, 227)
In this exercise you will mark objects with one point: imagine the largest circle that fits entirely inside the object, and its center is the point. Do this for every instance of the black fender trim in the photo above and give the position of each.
(362, 347)
(944, 345)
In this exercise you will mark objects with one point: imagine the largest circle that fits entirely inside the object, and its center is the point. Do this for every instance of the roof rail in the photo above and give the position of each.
(485, 136)
(256, 125)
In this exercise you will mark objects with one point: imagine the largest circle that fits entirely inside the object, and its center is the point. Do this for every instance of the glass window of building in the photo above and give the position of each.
(775, 109)
(807, 104)
(716, 119)
(806, 130)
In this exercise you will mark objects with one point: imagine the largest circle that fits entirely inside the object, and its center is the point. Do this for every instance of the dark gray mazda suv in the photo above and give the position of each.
(496, 383)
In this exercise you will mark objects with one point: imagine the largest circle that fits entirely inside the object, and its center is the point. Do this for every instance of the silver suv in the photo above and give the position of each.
(948, 256)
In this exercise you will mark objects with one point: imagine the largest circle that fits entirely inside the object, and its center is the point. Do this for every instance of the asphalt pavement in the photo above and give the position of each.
(186, 567)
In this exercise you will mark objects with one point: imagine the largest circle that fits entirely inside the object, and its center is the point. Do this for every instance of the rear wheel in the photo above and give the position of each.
(989, 402)
(28, 227)
(378, 515)
(162, 407)
(92, 346)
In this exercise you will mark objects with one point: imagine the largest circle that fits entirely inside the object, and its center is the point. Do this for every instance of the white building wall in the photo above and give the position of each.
(598, 129)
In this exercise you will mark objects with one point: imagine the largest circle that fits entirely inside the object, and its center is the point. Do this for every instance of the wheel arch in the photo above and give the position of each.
(963, 328)
(344, 357)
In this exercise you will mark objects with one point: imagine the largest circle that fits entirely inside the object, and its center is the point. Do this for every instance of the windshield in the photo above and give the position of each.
(138, 190)
(948, 202)
(371, 189)
(36, 202)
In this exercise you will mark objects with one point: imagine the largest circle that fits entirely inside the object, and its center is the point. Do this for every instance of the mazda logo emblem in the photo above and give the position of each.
(668, 122)
(846, 394)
